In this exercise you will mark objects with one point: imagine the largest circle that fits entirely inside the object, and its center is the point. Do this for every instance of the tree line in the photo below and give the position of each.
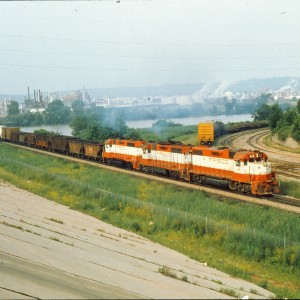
(283, 123)
(55, 113)
(96, 124)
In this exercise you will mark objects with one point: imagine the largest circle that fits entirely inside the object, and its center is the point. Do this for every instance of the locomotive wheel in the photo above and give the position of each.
(197, 178)
(244, 188)
(241, 188)
(233, 185)
(247, 188)
(174, 174)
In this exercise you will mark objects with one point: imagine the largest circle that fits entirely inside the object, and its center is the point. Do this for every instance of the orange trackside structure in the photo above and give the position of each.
(173, 159)
(123, 151)
(206, 133)
(243, 170)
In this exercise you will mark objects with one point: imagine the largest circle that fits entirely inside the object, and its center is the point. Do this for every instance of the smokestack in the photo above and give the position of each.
(28, 97)
(34, 95)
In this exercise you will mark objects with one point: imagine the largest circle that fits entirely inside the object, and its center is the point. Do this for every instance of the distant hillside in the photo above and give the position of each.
(147, 91)
(256, 85)
(212, 89)
(205, 89)
(19, 98)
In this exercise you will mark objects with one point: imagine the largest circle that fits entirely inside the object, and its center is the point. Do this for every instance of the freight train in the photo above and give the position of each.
(246, 171)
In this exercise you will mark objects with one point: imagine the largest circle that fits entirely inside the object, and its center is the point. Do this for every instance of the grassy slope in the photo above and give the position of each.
(268, 141)
(192, 222)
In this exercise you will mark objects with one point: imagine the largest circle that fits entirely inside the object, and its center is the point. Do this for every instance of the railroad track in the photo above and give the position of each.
(282, 167)
(284, 163)
(286, 200)
(219, 193)
(253, 141)
(228, 141)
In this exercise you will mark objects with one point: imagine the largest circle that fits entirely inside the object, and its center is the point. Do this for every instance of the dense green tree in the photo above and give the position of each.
(271, 113)
(96, 131)
(79, 124)
(133, 133)
(290, 116)
(37, 119)
(120, 126)
(92, 132)
(57, 113)
(296, 129)
(298, 106)
(44, 131)
(13, 108)
(78, 107)
(262, 113)
(275, 115)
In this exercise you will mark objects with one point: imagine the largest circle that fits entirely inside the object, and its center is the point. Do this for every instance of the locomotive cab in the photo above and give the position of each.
(255, 166)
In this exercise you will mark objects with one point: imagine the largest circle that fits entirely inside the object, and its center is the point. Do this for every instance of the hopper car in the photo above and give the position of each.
(246, 171)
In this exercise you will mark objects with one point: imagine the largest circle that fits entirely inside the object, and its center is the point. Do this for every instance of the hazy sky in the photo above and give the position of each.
(70, 44)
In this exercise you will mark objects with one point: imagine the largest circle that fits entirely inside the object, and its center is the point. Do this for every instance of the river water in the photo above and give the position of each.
(192, 120)
(66, 130)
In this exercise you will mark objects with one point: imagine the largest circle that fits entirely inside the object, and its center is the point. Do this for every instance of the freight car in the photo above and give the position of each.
(22, 138)
(206, 133)
(240, 170)
(92, 150)
(30, 140)
(7, 132)
(42, 141)
(76, 148)
(60, 143)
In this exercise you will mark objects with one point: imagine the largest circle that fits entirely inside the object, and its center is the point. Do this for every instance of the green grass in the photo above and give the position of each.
(290, 188)
(191, 139)
(260, 244)
(269, 142)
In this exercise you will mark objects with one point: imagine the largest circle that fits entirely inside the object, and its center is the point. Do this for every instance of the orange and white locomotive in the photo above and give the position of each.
(243, 170)
(172, 159)
(123, 152)
(238, 169)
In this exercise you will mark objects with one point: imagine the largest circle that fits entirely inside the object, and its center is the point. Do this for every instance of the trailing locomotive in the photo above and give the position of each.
(240, 170)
